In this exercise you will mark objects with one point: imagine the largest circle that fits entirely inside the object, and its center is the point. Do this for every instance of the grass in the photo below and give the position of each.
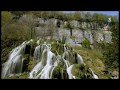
(23, 75)
(81, 72)
(93, 58)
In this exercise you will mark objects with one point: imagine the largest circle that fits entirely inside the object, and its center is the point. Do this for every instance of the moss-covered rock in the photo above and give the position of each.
(82, 72)
(59, 73)
(31, 64)
(73, 57)
(23, 75)
(56, 73)
(57, 48)
(25, 62)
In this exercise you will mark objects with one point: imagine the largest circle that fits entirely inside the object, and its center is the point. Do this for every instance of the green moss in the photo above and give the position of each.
(93, 59)
(60, 72)
(31, 65)
(12, 77)
(72, 57)
(81, 72)
(21, 76)
(56, 73)
(57, 48)
(86, 43)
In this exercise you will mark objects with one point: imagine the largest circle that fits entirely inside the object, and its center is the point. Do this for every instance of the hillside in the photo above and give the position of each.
(54, 45)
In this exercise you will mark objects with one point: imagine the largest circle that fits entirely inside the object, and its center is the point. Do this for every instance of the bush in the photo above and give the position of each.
(86, 43)
(81, 72)
(111, 52)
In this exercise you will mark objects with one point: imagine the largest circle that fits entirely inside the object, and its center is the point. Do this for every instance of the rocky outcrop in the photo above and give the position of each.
(74, 35)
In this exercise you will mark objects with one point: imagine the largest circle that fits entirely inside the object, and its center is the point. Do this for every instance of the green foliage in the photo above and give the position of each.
(111, 56)
(81, 72)
(86, 43)
(6, 17)
(31, 65)
(100, 19)
(59, 73)
(21, 76)
(57, 48)
(101, 45)
(68, 25)
(6, 46)
(93, 58)
(76, 16)
(72, 57)
(18, 14)
(20, 30)
(111, 53)
(56, 73)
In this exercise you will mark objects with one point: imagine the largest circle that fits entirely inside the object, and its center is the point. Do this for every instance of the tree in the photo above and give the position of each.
(18, 14)
(6, 18)
(68, 25)
(28, 21)
(86, 43)
(76, 16)
(88, 18)
(111, 53)
(6, 21)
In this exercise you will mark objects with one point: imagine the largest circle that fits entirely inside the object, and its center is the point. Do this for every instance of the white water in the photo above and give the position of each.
(94, 75)
(38, 42)
(45, 60)
(44, 70)
(69, 71)
(37, 54)
(15, 62)
(67, 63)
(79, 59)
(37, 68)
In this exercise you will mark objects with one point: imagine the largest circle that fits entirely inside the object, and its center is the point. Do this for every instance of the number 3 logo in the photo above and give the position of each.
(109, 19)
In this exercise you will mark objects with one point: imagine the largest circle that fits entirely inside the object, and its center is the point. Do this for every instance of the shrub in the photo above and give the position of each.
(86, 43)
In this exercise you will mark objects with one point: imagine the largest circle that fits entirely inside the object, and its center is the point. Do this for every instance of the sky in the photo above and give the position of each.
(111, 13)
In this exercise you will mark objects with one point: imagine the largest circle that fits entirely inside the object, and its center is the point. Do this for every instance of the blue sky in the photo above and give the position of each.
(111, 13)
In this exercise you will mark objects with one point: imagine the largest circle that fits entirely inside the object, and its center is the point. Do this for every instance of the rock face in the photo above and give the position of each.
(75, 35)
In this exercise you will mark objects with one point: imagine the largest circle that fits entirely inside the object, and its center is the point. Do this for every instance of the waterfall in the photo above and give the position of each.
(38, 42)
(37, 68)
(79, 59)
(37, 54)
(69, 71)
(94, 75)
(44, 70)
(67, 63)
(45, 61)
(14, 64)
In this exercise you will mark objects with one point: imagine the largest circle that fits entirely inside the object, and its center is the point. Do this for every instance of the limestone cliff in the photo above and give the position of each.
(74, 35)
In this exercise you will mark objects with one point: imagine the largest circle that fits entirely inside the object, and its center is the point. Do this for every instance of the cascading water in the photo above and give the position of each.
(45, 61)
(67, 63)
(15, 61)
(37, 54)
(44, 70)
(69, 71)
(38, 67)
(94, 75)
(79, 59)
